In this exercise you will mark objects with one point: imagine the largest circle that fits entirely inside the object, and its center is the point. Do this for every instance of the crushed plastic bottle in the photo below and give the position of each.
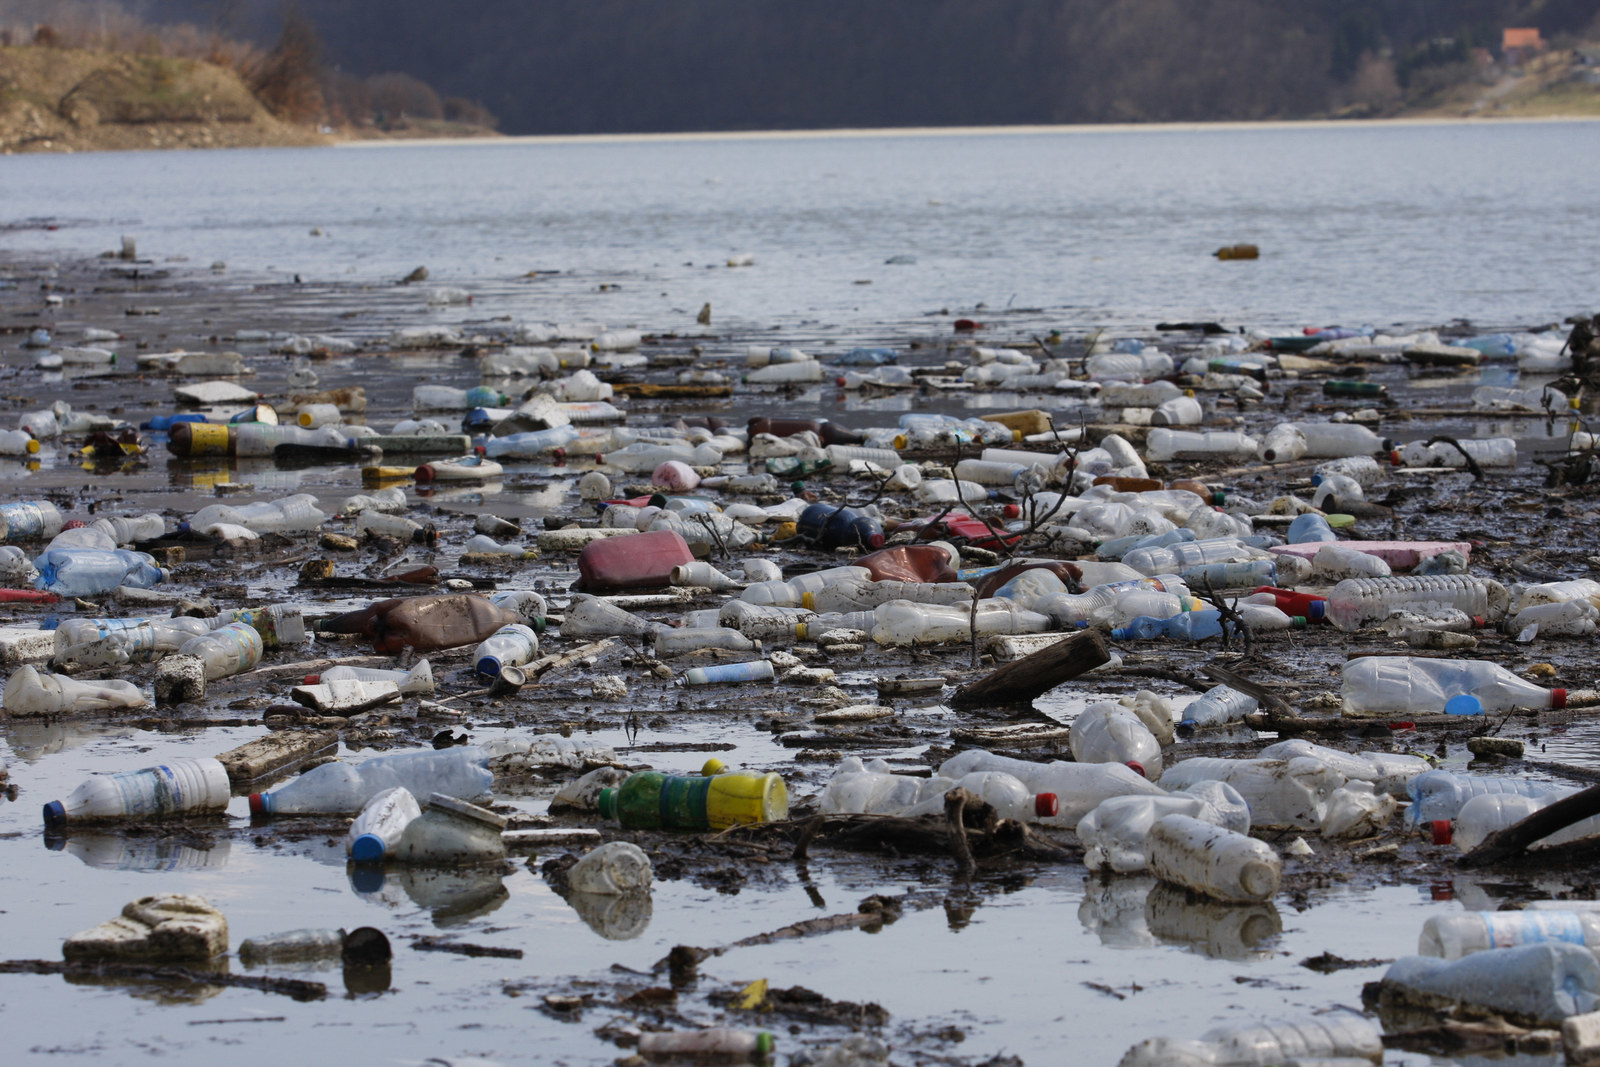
(340, 787)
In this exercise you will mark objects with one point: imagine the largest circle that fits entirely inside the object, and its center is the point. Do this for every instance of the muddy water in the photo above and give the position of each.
(1029, 960)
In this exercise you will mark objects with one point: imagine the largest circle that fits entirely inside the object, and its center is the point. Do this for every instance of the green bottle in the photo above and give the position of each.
(1339, 387)
(651, 800)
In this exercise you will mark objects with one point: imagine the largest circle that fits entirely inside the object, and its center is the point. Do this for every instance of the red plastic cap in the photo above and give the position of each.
(73, 524)
(1045, 805)
(875, 541)
(1558, 698)
(312, 679)
(424, 473)
(558, 454)
(479, 450)
(1479, 622)
(839, 382)
(1441, 831)
(1136, 766)
(1394, 457)
(1011, 511)
(256, 806)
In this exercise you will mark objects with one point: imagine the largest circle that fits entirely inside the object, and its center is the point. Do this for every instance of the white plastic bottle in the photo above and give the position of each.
(27, 692)
(340, 787)
(1115, 833)
(177, 787)
(452, 832)
(677, 641)
(1440, 795)
(902, 622)
(397, 526)
(1284, 443)
(1483, 816)
(1078, 787)
(227, 650)
(30, 520)
(391, 500)
(1358, 602)
(864, 594)
(1212, 860)
(511, 645)
(1409, 684)
(18, 443)
(1487, 452)
(1007, 794)
(1219, 706)
(1454, 936)
(1166, 444)
(1281, 793)
(417, 681)
(377, 831)
(1569, 618)
(871, 788)
(1387, 771)
(1179, 411)
(1545, 982)
(1107, 732)
(1337, 1037)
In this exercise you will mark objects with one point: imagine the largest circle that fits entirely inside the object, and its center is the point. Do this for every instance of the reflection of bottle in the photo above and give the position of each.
(652, 800)
(1338, 1036)
(120, 853)
(714, 1041)
(615, 917)
(1212, 928)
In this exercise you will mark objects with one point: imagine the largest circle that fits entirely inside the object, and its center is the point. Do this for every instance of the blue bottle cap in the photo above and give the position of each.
(1463, 704)
(54, 813)
(368, 848)
(1316, 610)
(489, 666)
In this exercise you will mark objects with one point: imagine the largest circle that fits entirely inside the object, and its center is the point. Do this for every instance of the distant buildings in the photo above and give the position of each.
(1519, 44)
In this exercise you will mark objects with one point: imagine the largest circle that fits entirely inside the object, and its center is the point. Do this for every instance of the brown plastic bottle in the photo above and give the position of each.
(1200, 489)
(831, 433)
(1026, 423)
(1068, 574)
(1129, 485)
(423, 623)
(908, 563)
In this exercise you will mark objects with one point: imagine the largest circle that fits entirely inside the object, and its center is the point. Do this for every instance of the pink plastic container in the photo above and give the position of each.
(675, 476)
(1400, 555)
(639, 561)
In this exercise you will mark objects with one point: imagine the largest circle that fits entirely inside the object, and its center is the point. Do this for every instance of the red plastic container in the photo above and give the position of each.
(908, 563)
(637, 561)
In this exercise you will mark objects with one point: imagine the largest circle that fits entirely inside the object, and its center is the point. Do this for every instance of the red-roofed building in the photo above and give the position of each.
(1518, 44)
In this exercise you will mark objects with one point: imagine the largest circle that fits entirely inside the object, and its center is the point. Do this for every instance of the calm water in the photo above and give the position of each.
(1357, 224)
(1414, 225)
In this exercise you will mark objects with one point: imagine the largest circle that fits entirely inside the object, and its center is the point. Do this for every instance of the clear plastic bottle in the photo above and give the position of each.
(1488, 452)
(858, 788)
(1114, 834)
(902, 622)
(416, 681)
(89, 572)
(1136, 603)
(757, 670)
(1284, 443)
(864, 594)
(377, 831)
(1363, 470)
(531, 444)
(1165, 444)
(335, 788)
(383, 524)
(1387, 771)
(1569, 618)
(177, 787)
(227, 650)
(1171, 558)
(1410, 684)
(613, 869)
(145, 640)
(1527, 596)
(450, 398)
(1482, 816)
(291, 946)
(511, 645)
(1078, 787)
(1007, 794)
(678, 641)
(280, 625)
(451, 832)
(1544, 982)
(1069, 609)
(1212, 860)
(1358, 602)
(391, 500)
(28, 692)
(1240, 574)
(1438, 796)
(1454, 936)
(1108, 732)
(1219, 706)
(1281, 793)
(713, 1041)
(30, 520)
(1333, 1038)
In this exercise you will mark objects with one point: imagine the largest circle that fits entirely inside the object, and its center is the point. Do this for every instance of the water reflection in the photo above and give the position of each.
(33, 739)
(158, 990)
(454, 896)
(615, 917)
(1210, 927)
(1113, 909)
(118, 853)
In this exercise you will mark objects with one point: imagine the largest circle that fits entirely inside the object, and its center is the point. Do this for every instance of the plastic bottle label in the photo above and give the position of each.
(208, 439)
(1529, 927)
(155, 791)
(23, 520)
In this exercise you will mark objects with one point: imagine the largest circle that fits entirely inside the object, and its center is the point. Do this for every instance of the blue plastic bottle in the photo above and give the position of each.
(1310, 527)
(1245, 574)
(1187, 626)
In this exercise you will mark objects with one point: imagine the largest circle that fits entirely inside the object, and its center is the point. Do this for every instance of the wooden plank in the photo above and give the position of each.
(274, 752)
(1034, 675)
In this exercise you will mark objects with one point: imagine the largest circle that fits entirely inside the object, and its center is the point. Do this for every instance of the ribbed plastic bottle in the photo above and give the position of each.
(864, 594)
(377, 831)
(511, 645)
(1007, 794)
(1211, 860)
(1440, 795)
(1169, 559)
(1165, 444)
(1387, 771)
(1069, 609)
(1415, 684)
(416, 681)
(1108, 732)
(1240, 574)
(677, 641)
(1358, 602)
(1489, 452)
(1219, 706)
(177, 787)
(397, 526)
(450, 832)
(651, 800)
(1187, 626)
(531, 444)
(227, 650)
(1339, 1037)
(1545, 982)
(89, 572)
(144, 639)
(339, 787)
(756, 670)
(1115, 833)
(1454, 936)
(1281, 793)
(30, 520)
(1527, 596)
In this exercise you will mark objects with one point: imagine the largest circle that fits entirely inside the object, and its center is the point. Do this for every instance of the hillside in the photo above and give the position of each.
(63, 100)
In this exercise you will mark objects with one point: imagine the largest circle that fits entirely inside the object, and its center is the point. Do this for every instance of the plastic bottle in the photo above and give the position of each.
(871, 788)
(1281, 793)
(1439, 796)
(377, 831)
(1335, 1038)
(1187, 626)
(1410, 684)
(831, 527)
(18, 443)
(1310, 527)
(1569, 618)
(397, 526)
(1309, 606)
(177, 787)
(1387, 771)
(1527, 596)
(1543, 983)
(1165, 444)
(759, 670)
(338, 787)
(1453, 936)
(30, 520)
(1358, 602)
(1115, 833)
(1211, 860)
(1490, 452)
(417, 681)
(1007, 794)
(262, 439)
(292, 946)
(651, 800)
(449, 398)
(1169, 559)
(864, 594)
(511, 645)
(1241, 574)
(423, 623)
(1179, 411)
(532, 443)
(902, 622)
(676, 641)
(227, 650)
(28, 692)
(450, 832)
(1219, 706)
(713, 1041)
(87, 644)
(829, 433)
(89, 572)
(1069, 609)
(1107, 732)
(1078, 787)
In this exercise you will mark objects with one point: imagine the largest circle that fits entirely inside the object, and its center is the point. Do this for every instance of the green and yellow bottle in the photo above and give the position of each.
(651, 800)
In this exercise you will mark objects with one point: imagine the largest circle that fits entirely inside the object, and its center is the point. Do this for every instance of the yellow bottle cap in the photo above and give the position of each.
(32, 447)
(899, 441)
(800, 631)
(712, 767)
(1340, 521)
(1016, 435)
(304, 418)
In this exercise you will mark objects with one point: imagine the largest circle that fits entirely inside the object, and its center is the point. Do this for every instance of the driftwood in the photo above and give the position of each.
(167, 972)
(461, 948)
(1021, 681)
(670, 391)
(274, 751)
(545, 664)
(1541, 824)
